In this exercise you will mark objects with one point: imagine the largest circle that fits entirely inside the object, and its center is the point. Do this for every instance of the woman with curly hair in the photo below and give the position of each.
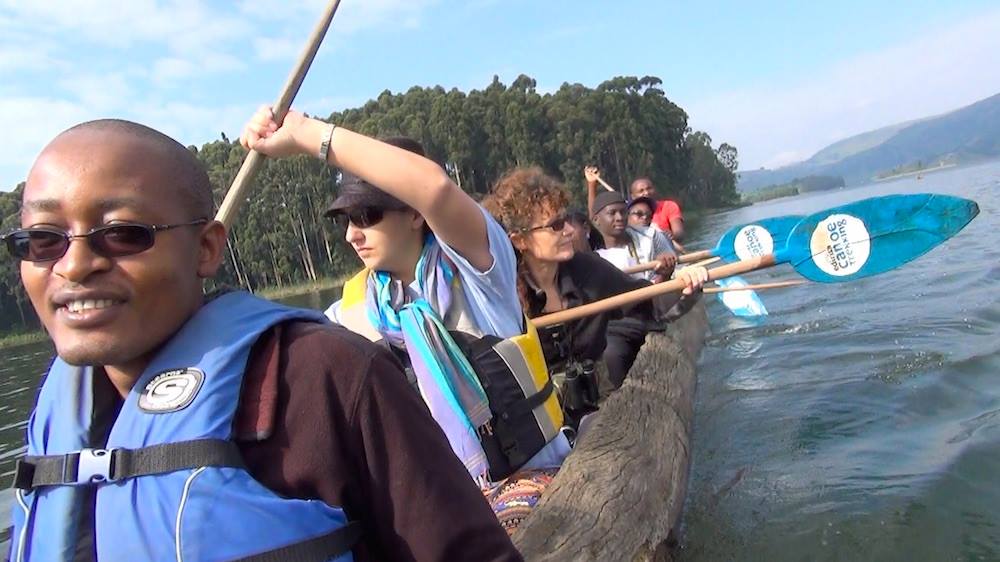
(552, 276)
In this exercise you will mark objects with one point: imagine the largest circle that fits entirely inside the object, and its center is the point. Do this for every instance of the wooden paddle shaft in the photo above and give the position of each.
(646, 293)
(651, 265)
(251, 164)
(640, 267)
(694, 256)
(757, 287)
(703, 263)
(605, 184)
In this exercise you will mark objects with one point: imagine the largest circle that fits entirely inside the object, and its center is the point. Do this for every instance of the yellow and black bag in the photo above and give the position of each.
(522, 397)
(513, 372)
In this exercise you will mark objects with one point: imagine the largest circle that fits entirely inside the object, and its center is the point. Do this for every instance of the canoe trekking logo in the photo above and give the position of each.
(840, 245)
(171, 390)
(753, 241)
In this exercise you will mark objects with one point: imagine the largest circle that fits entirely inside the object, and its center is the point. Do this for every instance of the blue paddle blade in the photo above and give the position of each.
(754, 239)
(874, 235)
(741, 303)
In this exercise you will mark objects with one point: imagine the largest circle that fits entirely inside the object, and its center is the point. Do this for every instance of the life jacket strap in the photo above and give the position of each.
(94, 466)
(528, 404)
(323, 547)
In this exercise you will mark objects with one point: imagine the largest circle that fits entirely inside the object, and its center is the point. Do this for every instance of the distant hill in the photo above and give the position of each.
(858, 143)
(965, 135)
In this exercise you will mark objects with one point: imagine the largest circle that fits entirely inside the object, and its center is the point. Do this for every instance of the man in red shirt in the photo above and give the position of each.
(667, 214)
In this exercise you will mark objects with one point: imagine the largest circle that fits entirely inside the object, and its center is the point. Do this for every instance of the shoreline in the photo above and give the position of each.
(288, 291)
(915, 173)
(18, 339)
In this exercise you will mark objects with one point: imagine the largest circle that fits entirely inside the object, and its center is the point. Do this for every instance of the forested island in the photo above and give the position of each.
(626, 126)
(915, 168)
(795, 187)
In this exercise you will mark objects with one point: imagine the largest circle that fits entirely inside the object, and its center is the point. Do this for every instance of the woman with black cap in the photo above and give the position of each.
(435, 262)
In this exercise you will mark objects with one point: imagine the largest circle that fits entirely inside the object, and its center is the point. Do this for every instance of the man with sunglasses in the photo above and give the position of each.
(175, 425)
(667, 214)
(640, 212)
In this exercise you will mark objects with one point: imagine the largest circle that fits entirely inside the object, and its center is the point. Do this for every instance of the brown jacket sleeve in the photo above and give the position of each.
(351, 431)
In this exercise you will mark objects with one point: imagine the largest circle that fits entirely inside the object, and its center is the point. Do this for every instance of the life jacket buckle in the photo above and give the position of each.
(486, 429)
(95, 466)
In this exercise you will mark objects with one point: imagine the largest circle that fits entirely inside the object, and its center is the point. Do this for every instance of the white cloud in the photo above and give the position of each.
(123, 58)
(934, 73)
(37, 121)
(171, 69)
(184, 25)
(352, 15)
(191, 123)
(277, 48)
(24, 57)
(98, 94)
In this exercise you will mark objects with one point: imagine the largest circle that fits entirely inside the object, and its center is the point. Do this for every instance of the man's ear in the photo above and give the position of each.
(211, 246)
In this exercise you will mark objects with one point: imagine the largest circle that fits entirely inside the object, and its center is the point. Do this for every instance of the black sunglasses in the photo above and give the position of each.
(110, 241)
(360, 217)
(557, 224)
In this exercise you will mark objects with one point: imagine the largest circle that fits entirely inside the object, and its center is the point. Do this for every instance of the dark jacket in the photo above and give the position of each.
(586, 278)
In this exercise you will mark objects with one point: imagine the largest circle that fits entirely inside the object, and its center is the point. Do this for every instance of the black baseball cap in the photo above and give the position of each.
(647, 200)
(355, 192)
(606, 198)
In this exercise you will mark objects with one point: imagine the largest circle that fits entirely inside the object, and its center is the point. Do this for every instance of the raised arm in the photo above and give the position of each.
(454, 217)
(591, 174)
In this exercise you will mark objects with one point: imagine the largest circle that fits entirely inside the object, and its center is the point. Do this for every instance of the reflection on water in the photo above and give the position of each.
(862, 420)
(20, 371)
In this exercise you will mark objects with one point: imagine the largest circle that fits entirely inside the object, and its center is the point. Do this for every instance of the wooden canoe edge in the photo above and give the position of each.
(622, 489)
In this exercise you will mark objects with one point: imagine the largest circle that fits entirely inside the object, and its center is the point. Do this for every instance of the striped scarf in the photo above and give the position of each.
(447, 382)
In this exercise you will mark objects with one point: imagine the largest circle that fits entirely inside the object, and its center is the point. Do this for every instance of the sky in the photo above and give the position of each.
(779, 80)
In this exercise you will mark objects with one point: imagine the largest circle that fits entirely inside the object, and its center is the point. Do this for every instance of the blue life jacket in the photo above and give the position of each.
(170, 484)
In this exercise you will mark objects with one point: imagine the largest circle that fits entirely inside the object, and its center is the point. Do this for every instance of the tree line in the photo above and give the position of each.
(626, 126)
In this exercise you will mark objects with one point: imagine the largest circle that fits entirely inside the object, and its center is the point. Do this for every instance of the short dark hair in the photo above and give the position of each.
(194, 185)
(631, 186)
(578, 218)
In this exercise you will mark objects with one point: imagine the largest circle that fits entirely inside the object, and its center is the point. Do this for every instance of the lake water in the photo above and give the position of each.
(858, 422)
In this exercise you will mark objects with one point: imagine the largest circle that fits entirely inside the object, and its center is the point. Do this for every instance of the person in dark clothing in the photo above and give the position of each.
(552, 276)
(115, 242)
(585, 238)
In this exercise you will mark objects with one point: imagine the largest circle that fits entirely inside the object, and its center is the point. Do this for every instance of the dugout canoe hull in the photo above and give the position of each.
(621, 491)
